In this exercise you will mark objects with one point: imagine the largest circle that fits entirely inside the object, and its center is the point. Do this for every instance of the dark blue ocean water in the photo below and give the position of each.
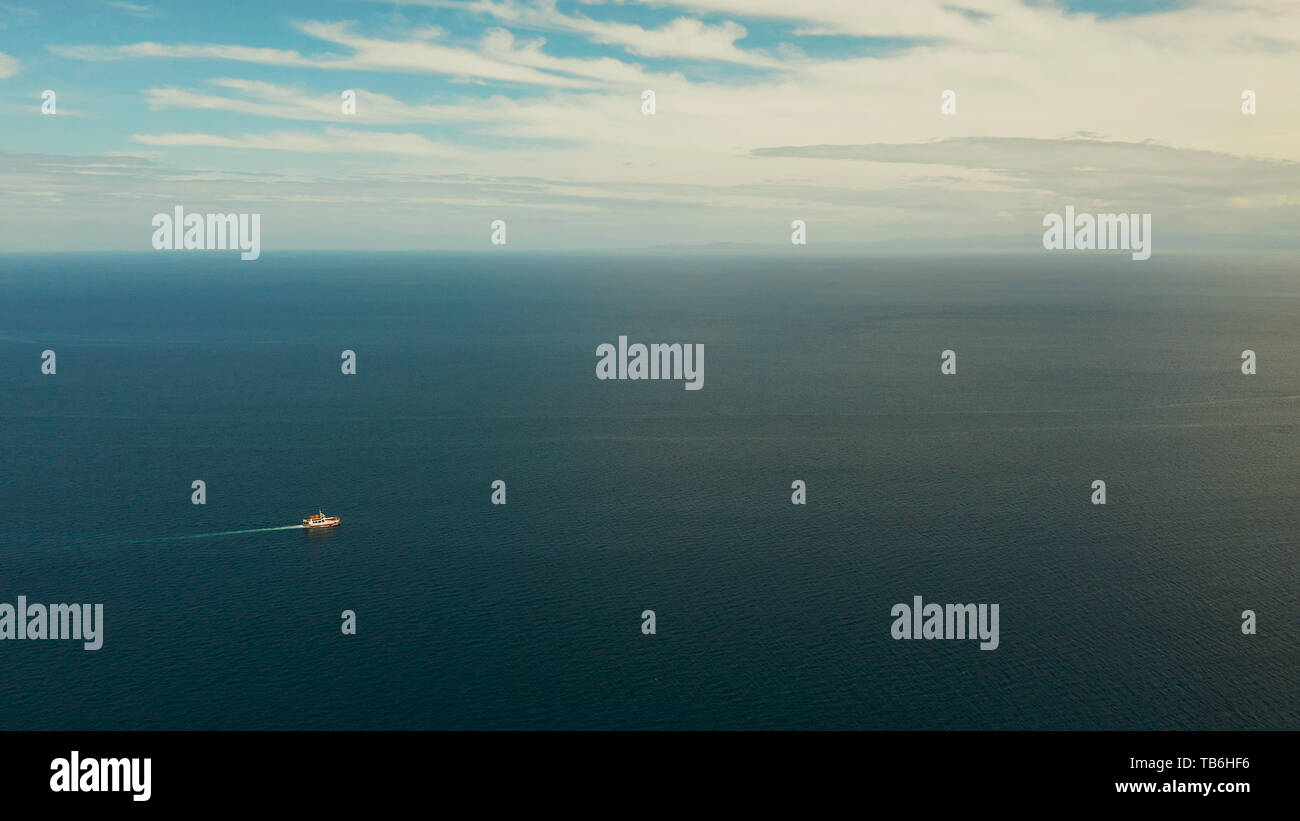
(624, 496)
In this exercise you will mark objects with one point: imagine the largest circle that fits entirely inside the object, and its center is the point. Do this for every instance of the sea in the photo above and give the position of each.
(628, 496)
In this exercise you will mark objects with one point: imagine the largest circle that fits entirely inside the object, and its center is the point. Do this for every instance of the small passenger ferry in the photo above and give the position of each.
(320, 520)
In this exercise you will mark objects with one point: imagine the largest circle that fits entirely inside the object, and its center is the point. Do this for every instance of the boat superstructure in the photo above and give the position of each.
(319, 519)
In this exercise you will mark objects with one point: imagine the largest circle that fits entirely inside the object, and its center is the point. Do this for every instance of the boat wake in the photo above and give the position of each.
(220, 533)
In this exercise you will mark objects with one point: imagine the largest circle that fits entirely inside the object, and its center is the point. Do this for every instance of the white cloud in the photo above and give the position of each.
(497, 61)
(334, 141)
(247, 54)
(683, 37)
(134, 9)
(292, 103)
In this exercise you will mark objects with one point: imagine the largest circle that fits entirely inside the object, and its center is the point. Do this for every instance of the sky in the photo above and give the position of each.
(765, 112)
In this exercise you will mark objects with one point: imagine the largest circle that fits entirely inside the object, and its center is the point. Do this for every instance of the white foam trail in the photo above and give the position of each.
(221, 533)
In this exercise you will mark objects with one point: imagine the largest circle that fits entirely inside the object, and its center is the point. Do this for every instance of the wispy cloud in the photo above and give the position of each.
(1173, 180)
(149, 50)
(683, 37)
(333, 141)
(134, 9)
(499, 59)
(295, 103)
